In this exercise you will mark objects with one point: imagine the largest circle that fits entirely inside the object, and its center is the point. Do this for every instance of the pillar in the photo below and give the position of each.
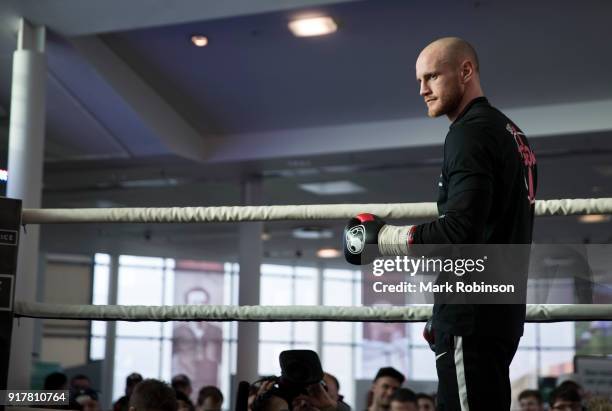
(25, 172)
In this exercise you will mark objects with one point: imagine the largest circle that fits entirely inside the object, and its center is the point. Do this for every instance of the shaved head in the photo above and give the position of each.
(448, 72)
(453, 51)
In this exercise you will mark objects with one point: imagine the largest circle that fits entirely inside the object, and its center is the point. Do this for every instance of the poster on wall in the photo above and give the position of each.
(197, 345)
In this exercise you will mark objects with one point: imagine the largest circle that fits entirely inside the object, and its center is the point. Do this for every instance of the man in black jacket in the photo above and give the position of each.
(486, 195)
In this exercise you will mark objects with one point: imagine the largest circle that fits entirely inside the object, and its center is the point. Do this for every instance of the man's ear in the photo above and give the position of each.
(467, 71)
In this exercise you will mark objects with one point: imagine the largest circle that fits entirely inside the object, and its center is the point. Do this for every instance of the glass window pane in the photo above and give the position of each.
(557, 334)
(423, 364)
(338, 361)
(305, 332)
(337, 332)
(97, 348)
(137, 261)
(101, 259)
(306, 291)
(134, 356)
(523, 365)
(338, 274)
(146, 329)
(139, 286)
(275, 332)
(268, 358)
(276, 270)
(101, 278)
(556, 362)
(337, 292)
(529, 335)
(275, 290)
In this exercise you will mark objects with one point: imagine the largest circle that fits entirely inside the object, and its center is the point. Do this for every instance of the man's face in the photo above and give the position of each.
(530, 404)
(403, 406)
(565, 405)
(382, 391)
(440, 84)
(210, 404)
(425, 405)
(81, 383)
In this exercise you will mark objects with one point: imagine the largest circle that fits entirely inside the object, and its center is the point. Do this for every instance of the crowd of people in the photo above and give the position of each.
(387, 393)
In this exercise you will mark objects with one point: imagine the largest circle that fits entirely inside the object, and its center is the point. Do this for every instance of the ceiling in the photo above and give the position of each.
(137, 116)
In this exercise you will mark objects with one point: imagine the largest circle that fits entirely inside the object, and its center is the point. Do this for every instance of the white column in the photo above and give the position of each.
(25, 171)
(108, 367)
(251, 250)
(320, 290)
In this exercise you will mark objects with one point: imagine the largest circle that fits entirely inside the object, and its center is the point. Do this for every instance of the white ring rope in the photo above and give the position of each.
(286, 212)
(420, 313)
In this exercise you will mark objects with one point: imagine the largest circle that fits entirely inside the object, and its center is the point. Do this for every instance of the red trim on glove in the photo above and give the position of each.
(363, 217)
(411, 234)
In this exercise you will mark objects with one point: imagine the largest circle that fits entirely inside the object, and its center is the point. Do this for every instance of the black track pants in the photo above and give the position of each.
(473, 372)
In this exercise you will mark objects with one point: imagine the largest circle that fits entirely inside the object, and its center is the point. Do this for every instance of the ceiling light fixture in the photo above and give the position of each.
(594, 218)
(328, 253)
(199, 40)
(332, 188)
(314, 26)
(312, 233)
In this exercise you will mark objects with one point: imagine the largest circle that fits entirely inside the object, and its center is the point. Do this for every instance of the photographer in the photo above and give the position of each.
(300, 386)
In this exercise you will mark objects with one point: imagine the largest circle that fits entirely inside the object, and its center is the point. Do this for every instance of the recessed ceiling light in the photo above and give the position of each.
(328, 253)
(594, 218)
(199, 41)
(314, 26)
(312, 233)
(332, 187)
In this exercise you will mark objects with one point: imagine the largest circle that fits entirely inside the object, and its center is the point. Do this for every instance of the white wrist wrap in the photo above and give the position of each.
(393, 239)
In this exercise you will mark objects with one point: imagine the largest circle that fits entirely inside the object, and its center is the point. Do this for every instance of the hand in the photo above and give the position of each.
(317, 398)
(428, 334)
(359, 233)
(265, 386)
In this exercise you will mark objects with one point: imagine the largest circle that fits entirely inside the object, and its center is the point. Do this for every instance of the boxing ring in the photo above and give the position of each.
(535, 312)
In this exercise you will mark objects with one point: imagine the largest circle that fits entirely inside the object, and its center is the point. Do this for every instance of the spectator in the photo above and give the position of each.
(403, 400)
(425, 402)
(573, 385)
(333, 386)
(565, 398)
(209, 399)
(183, 401)
(153, 395)
(182, 383)
(80, 381)
(123, 403)
(531, 400)
(85, 399)
(333, 389)
(56, 381)
(386, 382)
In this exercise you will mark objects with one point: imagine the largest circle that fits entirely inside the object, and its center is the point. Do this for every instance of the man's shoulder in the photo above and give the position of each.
(468, 135)
(482, 116)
